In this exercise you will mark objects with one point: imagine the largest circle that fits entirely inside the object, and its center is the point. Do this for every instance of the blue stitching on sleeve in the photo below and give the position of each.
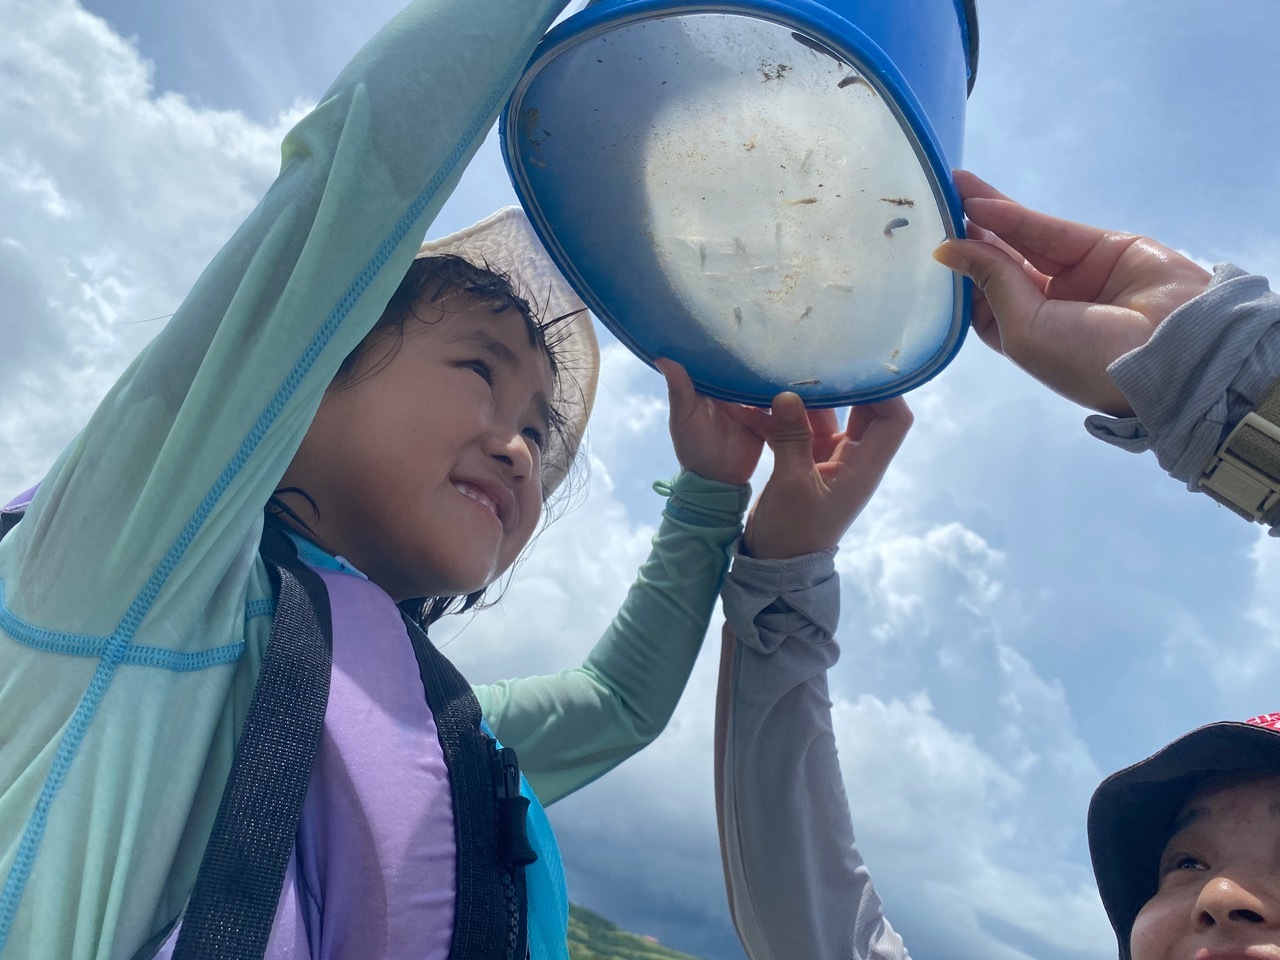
(179, 662)
(34, 832)
(259, 608)
(50, 641)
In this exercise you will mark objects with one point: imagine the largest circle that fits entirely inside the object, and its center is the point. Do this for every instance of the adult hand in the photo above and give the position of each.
(1063, 300)
(714, 439)
(822, 476)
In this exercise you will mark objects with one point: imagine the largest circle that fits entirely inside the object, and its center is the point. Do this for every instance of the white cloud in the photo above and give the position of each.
(113, 199)
(928, 801)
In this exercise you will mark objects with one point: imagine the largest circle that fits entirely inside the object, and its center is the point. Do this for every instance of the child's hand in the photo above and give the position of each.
(714, 439)
(1061, 299)
(822, 476)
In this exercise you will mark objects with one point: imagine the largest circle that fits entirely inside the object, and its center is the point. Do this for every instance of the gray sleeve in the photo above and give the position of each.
(797, 884)
(1204, 368)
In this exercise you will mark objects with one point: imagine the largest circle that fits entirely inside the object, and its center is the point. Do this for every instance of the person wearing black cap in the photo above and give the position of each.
(1175, 360)
(1186, 841)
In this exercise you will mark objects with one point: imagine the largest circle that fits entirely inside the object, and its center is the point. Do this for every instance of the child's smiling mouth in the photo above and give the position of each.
(480, 496)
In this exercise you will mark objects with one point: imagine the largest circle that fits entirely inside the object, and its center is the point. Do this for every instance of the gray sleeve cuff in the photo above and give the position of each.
(767, 601)
(1204, 368)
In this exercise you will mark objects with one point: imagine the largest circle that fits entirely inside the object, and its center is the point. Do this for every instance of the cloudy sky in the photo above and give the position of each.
(1025, 608)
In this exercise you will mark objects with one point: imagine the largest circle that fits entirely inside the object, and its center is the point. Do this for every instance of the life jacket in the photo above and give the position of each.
(238, 886)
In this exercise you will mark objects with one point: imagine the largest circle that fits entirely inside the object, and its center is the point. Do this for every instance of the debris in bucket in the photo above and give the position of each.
(895, 224)
(898, 201)
(891, 367)
(772, 71)
(804, 164)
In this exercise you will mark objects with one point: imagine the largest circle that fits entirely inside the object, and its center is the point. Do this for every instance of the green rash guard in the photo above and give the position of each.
(133, 606)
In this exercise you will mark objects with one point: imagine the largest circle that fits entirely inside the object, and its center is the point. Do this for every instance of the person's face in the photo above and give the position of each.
(1219, 893)
(426, 467)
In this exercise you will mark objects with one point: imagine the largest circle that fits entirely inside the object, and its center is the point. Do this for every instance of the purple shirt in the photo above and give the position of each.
(373, 870)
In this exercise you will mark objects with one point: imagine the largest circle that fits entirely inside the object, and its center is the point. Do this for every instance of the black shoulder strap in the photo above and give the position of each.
(9, 519)
(238, 887)
(491, 914)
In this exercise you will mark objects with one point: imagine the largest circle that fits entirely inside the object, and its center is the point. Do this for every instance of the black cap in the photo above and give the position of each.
(1132, 813)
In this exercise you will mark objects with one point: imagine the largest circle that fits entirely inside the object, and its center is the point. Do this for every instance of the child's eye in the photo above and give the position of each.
(482, 367)
(537, 438)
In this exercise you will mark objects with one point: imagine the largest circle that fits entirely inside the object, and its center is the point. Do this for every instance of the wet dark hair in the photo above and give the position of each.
(435, 281)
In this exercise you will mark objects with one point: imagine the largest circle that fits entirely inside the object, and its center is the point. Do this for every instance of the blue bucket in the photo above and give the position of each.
(754, 188)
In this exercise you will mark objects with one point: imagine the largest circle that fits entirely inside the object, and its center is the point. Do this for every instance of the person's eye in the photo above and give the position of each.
(481, 367)
(1181, 861)
(537, 438)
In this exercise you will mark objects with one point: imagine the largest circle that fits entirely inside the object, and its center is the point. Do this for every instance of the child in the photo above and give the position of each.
(1175, 359)
(403, 422)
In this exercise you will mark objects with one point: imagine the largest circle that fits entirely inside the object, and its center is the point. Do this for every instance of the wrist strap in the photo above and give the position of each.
(1244, 474)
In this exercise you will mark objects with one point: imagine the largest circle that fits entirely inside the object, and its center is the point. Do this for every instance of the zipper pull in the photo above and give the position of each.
(506, 773)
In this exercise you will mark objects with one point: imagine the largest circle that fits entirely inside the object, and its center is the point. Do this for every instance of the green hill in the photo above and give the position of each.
(592, 937)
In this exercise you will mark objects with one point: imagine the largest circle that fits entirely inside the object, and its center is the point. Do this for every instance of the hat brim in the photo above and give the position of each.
(1132, 812)
(506, 243)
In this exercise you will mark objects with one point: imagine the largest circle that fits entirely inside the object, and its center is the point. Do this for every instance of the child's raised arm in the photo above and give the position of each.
(797, 885)
(571, 727)
(132, 598)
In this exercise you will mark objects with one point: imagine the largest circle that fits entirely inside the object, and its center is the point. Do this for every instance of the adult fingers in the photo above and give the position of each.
(859, 418)
(1012, 295)
(792, 436)
(971, 185)
(1050, 243)
(824, 422)
(863, 464)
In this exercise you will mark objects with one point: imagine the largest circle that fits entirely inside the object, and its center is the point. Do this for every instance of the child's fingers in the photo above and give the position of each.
(681, 396)
(759, 422)
(678, 382)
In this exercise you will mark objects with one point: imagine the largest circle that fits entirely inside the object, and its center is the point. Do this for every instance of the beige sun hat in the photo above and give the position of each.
(506, 243)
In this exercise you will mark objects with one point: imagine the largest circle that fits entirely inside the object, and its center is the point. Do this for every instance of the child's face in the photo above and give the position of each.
(1219, 893)
(426, 468)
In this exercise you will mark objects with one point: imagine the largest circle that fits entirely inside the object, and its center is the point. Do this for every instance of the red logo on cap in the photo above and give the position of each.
(1271, 720)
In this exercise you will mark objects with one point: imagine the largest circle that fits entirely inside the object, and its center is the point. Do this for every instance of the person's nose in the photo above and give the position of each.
(1235, 900)
(510, 447)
